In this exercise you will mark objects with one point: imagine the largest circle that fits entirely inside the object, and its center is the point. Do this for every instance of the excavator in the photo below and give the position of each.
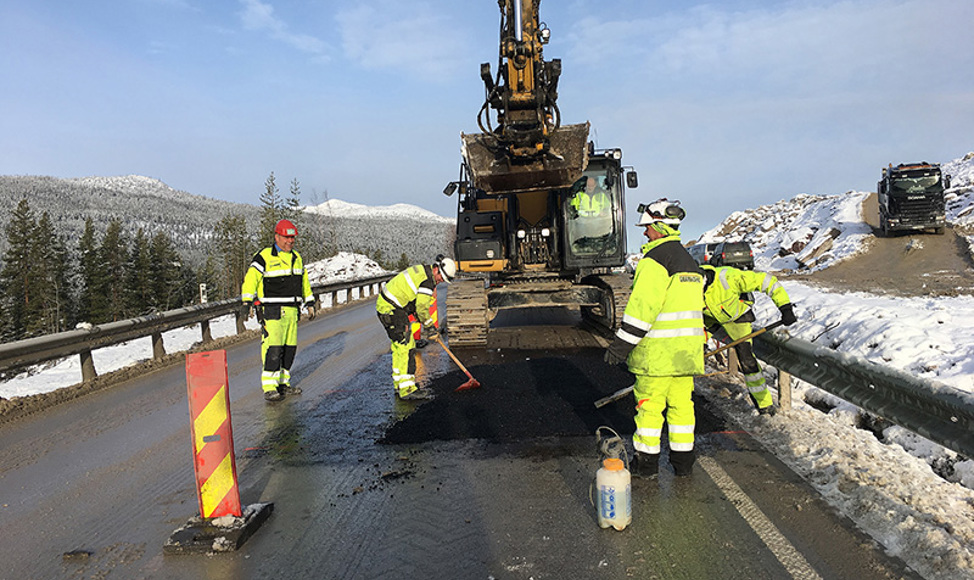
(539, 208)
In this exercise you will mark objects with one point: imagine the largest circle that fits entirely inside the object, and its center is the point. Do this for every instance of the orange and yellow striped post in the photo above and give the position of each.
(209, 410)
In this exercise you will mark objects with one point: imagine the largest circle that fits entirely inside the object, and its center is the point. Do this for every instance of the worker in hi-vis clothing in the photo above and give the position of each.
(727, 314)
(276, 287)
(410, 292)
(661, 339)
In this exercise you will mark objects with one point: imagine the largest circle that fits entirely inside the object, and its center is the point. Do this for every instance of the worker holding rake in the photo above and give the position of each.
(410, 292)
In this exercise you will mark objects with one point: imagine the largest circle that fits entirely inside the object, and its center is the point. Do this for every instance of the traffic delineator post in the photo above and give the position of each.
(212, 431)
(223, 525)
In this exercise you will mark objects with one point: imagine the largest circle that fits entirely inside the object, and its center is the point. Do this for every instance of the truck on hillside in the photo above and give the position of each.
(540, 212)
(911, 198)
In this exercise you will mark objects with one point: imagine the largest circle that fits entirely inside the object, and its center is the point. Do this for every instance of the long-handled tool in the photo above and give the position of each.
(470, 384)
(623, 392)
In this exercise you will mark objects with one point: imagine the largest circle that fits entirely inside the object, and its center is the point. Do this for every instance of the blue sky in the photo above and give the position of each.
(724, 106)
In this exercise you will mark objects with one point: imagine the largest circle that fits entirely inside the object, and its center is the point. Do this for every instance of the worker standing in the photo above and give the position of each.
(661, 339)
(727, 314)
(410, 292)
(276, 286)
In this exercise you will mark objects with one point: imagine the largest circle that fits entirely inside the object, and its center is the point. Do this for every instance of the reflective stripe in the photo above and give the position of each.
(684, 315)
(257, 266)
(675, 446)
(247, 297)
(675, 332)
(757, 389)
(648, 432)
(389, 297)
(722, 274)
(412, 284)
(424, 290)
(681, 428)
(630, 338)
(285, 300)
(643, 448)
(281, 273)
(629, 319)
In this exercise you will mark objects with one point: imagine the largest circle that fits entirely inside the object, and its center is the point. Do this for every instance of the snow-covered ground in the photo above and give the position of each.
(913, 496)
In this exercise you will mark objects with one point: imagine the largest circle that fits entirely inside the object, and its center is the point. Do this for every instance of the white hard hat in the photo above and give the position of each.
(661, 210)
(447, 267)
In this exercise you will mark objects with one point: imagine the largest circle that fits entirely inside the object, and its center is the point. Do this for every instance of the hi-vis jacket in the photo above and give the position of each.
(277, 277)
(590, 204)
(410, 290)
(663, 317)
(725, 297)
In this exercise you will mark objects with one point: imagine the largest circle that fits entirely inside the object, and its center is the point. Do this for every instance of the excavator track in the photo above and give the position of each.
(616, 290)
(466, 312)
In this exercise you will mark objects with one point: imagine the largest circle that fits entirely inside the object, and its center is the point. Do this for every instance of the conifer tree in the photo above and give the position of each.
(90, 272)
(51, 304)
(139, 288)
(18, 272)
(114, 256)
(271, 211)
(234, 250)
(169, 285)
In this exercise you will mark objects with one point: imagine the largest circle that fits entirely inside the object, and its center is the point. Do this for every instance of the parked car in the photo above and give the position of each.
(734, 254)
(702, 252)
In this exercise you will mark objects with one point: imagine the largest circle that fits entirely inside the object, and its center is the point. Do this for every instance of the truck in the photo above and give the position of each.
(540, 210)
(911, 197)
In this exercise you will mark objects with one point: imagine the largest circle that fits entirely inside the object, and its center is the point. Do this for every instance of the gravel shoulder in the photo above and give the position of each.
(901, 265)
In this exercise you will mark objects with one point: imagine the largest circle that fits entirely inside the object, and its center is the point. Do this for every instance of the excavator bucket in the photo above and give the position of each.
(495, 171)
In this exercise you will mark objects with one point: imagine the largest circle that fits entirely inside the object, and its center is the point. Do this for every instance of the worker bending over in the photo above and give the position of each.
(727, 315)
(410, 292)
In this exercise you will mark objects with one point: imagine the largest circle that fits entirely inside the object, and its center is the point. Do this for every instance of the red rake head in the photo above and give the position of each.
(471, 384)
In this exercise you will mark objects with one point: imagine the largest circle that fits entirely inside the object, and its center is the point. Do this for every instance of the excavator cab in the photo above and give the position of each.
(594, 232)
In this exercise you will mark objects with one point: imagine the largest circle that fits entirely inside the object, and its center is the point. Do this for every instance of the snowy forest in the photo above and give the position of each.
(95, 250)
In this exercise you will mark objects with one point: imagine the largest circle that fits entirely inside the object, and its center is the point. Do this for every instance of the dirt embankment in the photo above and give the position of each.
(902, 264)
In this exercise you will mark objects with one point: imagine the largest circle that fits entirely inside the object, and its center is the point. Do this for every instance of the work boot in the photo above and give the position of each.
(420, 394)
(645, 465)
(422, 343)
(682, 462)
(287, 389)
(770, 411)
(274, 395)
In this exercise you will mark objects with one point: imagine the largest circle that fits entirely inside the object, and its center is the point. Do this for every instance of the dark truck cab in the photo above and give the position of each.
(911, 197)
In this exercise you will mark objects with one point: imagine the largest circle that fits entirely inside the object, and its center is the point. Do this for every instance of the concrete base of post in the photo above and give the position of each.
(225, 534)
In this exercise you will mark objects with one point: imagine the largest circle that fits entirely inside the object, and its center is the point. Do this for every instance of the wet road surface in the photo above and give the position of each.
(492, 483)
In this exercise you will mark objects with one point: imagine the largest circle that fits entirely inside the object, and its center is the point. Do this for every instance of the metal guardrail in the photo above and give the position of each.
(82, 341)
(934, 410)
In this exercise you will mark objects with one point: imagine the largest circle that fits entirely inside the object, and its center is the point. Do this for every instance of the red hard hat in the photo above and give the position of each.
(285, 228)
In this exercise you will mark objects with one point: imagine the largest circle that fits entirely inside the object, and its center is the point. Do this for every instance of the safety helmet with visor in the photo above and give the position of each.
(661, 211)
(447, 268)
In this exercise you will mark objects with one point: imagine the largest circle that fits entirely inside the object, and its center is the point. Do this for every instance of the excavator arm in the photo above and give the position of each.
(523, 147)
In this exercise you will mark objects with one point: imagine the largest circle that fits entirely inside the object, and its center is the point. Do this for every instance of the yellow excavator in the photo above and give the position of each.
(540, 212)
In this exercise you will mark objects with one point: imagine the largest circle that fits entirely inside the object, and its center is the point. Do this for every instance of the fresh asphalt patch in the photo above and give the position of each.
(531, 395)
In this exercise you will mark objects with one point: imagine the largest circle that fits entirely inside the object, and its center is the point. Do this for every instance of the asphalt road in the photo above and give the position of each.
(492, 483)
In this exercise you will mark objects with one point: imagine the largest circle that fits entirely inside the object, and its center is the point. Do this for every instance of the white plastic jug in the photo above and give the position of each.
(614, 486)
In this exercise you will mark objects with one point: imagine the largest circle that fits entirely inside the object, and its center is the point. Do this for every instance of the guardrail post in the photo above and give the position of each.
(240, 322)
(784, 390)
(205, 329)
(733, 367)
(158, 349)
(87, 366)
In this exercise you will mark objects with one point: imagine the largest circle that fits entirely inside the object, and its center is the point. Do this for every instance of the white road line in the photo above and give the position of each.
(790, 558)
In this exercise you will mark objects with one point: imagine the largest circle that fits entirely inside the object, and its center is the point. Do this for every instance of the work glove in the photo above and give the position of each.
(245, 309)
(618, 352)
(432, 333)
(788, 314)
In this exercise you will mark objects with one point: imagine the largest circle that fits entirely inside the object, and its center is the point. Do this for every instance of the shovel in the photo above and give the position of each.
(470, 384)
(623, 392)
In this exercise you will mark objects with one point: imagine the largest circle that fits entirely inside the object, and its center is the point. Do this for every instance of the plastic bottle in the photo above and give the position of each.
(614, 485)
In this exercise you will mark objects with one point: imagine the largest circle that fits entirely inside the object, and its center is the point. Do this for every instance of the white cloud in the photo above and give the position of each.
(257, 15)
(402, 36)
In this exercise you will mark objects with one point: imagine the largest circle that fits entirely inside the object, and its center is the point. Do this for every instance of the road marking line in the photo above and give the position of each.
(790, 558)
